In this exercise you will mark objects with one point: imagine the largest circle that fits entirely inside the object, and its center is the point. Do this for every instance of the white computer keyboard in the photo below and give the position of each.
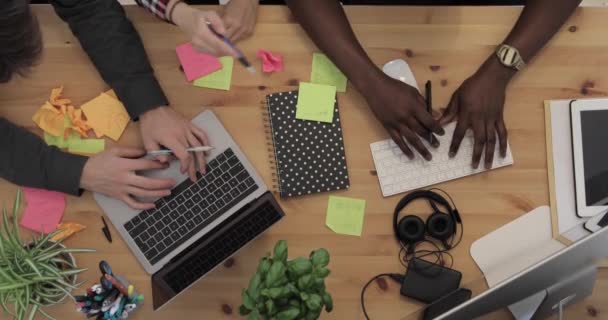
(397, 173)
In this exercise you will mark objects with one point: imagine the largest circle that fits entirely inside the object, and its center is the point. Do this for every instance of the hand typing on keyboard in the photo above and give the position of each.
(397, 173)
(402, 111)
(478, 105)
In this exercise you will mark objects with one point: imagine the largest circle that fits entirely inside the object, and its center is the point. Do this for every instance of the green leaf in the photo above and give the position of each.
(304, 296)
(300, 266)
(247, 301)
(328, 301)
(276, 272)
(314, 302)
(254, 287)
(243, 310)
(322, 272)
(292, 288)
(263, 267)
(255, 315)
(280, 251)
(294, 303)
(275, 293)
(305, 282)
(313, 315)
(289, 314)
(320, 258)
(270, 308)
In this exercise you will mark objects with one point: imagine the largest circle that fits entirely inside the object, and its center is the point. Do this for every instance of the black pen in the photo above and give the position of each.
(429, 105)
(106, 230)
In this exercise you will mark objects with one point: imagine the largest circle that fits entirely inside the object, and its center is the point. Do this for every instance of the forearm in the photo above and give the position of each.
(327, 25)
(28, 161)
(538, 22)
(116, 49)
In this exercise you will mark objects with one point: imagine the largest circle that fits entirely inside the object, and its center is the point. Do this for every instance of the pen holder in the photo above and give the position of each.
(111, 299)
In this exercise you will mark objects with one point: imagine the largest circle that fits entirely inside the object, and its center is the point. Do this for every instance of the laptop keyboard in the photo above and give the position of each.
(191, 207)
(219, 249)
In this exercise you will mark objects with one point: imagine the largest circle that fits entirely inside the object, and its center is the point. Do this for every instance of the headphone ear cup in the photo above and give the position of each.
(410, 229)
(440, 226)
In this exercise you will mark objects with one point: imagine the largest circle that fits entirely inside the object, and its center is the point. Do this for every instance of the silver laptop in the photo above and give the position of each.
(193, 210)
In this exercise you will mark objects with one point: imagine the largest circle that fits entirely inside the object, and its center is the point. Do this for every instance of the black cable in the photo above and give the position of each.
(395, 276)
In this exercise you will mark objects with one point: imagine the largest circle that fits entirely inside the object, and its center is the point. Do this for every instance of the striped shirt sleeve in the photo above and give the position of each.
(156, 7)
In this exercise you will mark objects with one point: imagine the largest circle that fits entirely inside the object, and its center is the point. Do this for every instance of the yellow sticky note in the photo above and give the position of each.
(316, 102)
(220, 79)
(107, 116)
(325, 72)
(89, 146)
(112, 94)
(345, 215)
(49, 119)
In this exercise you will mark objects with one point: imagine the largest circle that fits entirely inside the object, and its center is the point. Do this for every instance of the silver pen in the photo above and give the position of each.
(164, 152)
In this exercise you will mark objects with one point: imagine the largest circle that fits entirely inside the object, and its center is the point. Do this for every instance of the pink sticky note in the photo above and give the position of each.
(195, 64)
(43, 210)
(271, 62)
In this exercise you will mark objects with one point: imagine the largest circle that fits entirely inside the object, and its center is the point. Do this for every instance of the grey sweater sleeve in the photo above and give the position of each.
(115, 48)
(26, 160)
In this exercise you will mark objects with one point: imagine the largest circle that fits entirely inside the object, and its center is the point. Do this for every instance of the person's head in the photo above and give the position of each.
(20, 39)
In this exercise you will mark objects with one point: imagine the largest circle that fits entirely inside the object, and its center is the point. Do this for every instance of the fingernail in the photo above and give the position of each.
(488, 165)
(475, 165)
(452, 154)
(428, 157)
(441, 132)
(435, 143)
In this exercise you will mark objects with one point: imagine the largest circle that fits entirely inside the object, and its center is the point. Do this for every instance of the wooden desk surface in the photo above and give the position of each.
(444, 45)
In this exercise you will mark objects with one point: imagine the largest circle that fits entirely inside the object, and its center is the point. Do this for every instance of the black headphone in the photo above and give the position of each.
(440, 225)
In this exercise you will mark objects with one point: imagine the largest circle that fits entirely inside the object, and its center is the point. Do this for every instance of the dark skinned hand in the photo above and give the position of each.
(402, 111)
(478, 105)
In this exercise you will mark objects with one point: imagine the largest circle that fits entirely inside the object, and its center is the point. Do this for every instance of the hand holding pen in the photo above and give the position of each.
(208, 32)
(196, 24)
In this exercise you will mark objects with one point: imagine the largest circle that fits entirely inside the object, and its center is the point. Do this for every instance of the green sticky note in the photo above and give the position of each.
(345, 215)
(316, 102)
(59, 142)
(325, 72)
(220, 79)
(90, 146)
(52, 140)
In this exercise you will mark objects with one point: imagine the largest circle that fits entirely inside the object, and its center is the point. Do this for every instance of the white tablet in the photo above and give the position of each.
(589, 120)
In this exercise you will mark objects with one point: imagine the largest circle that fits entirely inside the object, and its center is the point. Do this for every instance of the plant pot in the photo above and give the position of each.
(71, 279)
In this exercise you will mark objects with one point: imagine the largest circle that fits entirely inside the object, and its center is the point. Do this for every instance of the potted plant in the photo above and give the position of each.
(284, 289)
(33, 275)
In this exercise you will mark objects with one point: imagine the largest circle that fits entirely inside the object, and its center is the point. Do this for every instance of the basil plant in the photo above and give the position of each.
(284, 289)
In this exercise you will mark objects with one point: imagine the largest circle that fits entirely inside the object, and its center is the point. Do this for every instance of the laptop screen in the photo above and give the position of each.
(213, 248)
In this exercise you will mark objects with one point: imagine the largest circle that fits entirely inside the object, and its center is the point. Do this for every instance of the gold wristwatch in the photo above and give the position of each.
(510, 57)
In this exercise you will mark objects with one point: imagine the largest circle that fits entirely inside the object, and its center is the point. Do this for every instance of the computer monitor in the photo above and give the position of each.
(562, 278)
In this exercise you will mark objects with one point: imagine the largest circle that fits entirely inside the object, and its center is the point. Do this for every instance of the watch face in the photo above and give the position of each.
(508, 55)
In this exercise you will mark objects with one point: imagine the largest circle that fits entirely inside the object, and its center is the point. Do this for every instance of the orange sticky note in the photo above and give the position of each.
(57, 99)
(49, 119)
(106, 115)
(67, 229)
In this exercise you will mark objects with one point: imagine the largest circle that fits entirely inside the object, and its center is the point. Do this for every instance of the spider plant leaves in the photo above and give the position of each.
(36, 275)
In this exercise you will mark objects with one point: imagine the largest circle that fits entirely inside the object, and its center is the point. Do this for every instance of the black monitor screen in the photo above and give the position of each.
(594, 129)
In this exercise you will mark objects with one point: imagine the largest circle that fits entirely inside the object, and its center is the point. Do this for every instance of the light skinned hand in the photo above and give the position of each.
(164, 127)
(113, 173)
(478, 104)
(239, 18)
(194, 23)
(402, 111)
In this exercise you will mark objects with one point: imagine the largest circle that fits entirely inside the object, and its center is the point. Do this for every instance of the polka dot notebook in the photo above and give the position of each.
(309, 155)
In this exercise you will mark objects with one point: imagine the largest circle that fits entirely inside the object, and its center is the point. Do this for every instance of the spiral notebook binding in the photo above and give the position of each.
(270, 147)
